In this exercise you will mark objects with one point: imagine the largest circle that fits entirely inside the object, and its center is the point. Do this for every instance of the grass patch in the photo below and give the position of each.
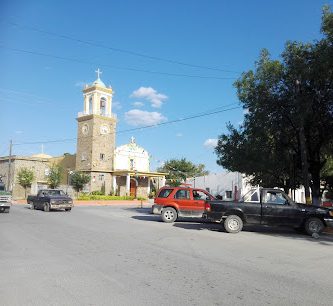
(87, 197)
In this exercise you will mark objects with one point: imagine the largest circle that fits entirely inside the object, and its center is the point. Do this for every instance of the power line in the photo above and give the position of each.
(99, 45)
(115, 67)
(211, 112)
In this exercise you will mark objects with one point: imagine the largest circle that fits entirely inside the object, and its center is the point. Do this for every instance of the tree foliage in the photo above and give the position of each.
(25, 178)
(288, 101)
(180, 169)
(54, 177)
(78, 180)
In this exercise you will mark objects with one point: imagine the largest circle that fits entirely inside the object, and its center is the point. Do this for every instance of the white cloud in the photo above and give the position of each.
(18, 132)
(116, 105)
(179, 135)
(138, 104)
(156, 99)
(210, 143)
(137, 117)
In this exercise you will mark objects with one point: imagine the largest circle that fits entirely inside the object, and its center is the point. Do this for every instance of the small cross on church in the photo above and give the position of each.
(98, 73)
(132, 139)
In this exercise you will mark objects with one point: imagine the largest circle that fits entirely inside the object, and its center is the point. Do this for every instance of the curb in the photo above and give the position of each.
(98, 203)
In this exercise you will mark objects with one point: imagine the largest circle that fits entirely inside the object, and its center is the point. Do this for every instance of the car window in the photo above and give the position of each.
(182, 194)
(164, 193)
(199, 195)
(275, 197)
(251, 196)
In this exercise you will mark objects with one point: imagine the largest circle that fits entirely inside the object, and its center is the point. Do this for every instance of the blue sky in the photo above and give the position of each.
(196, 49)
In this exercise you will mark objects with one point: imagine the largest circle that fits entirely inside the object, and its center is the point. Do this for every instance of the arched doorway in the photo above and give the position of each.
(133, 187)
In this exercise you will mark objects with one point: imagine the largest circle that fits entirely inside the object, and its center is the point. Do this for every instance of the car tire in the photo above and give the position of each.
(169, 215)
(32, 206)
(68, 209)
(6, 210)
(314, 226)
(233, 224)
(46, 207)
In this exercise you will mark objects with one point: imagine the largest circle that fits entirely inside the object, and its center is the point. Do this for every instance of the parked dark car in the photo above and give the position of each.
(48, 199)
(268, 207)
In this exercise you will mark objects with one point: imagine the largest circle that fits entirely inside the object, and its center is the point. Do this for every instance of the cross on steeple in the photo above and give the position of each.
(98, 73)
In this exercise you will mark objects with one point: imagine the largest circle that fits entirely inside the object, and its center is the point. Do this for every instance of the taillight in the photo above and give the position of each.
(327, 204)
(207, 207)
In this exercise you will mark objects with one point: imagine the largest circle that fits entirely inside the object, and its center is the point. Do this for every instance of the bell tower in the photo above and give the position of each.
(96, 134)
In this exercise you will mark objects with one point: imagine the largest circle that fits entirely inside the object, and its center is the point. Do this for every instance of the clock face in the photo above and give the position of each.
(85, 129)
(104, 129)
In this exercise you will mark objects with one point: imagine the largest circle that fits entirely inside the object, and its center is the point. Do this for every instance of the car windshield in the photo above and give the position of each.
(54, 192)
(164, 193)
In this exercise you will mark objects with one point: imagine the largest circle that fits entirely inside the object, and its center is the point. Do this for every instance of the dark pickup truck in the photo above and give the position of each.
(268, 207)
(48, 199)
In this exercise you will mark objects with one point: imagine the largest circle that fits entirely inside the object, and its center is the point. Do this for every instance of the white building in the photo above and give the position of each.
(228, 185)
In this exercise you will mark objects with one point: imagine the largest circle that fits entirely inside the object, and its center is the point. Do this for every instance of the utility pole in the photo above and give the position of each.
(9, 166)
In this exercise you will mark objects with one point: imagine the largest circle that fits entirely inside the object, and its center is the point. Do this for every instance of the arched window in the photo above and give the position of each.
(90, 106)
(102, 106)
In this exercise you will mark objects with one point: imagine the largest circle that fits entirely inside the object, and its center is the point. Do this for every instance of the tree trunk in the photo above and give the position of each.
(315, 186)
(305, 164)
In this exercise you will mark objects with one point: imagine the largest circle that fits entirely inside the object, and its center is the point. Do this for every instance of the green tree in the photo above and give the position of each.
(288, 129)
(25, 178)
(180, 169)
(78, 180)
(54, 176)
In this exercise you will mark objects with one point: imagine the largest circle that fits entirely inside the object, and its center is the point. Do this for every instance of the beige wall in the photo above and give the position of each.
(39, 166)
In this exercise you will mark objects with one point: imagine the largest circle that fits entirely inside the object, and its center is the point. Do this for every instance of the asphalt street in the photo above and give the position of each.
(119, 255)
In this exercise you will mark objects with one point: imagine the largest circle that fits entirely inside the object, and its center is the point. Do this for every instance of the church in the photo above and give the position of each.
(123, 170)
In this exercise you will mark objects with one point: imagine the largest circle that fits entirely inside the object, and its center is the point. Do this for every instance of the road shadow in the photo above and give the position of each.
(154, 218)
(141, 210)
(285, 232)
(199, 225)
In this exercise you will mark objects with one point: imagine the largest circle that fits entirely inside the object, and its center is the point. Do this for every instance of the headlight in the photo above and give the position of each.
(53, 201)
(70, 202)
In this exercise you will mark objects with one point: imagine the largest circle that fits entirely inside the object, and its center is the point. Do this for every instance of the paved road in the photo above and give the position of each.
(125, 256)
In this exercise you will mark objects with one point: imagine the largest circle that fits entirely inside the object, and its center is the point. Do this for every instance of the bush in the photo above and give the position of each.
(152, 195)
(141, 198)
(96, 192)
(87, 197)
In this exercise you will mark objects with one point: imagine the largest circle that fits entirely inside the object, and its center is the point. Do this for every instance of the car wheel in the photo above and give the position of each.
(169, 215)
(314, 226)
(46, 207)
(32, 206)
(67, 209)
(233, 224)
(6, 210)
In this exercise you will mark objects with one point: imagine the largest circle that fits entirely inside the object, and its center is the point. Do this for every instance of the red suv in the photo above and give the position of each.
(174, 202)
